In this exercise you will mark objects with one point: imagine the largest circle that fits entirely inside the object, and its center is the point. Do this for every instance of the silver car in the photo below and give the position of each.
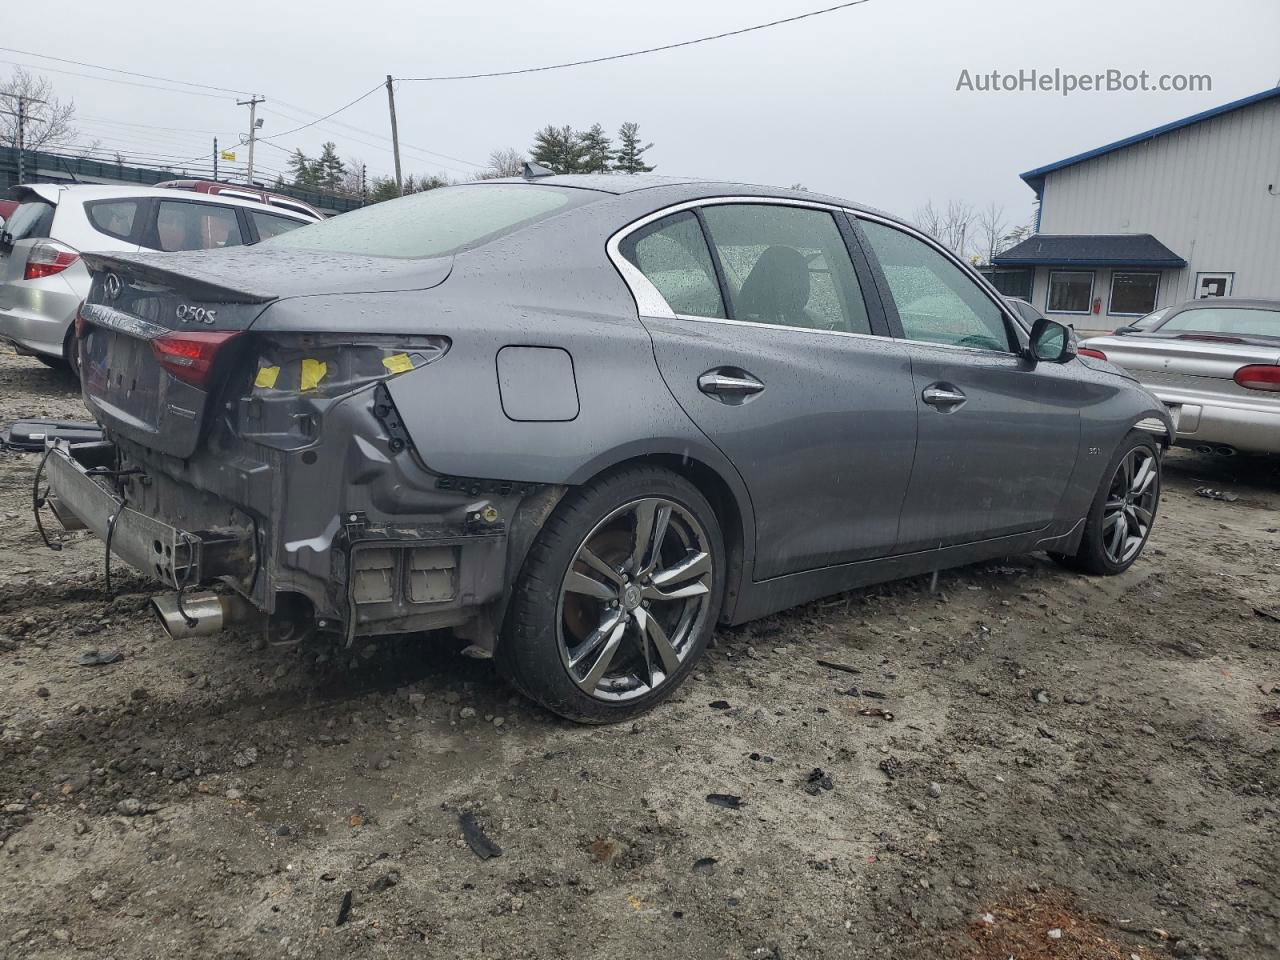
(1215, 364)
(580, 420)
(43, 278)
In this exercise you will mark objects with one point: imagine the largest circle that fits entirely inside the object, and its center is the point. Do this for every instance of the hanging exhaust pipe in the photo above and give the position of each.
(203, 613)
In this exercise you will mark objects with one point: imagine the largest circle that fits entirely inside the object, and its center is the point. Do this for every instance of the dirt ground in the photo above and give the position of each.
(1075, 768)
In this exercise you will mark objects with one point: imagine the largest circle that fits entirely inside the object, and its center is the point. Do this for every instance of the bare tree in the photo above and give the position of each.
(957, 227)
(508, 162)
(952, 227)
(992, 232)
(353, 177)
(48, 119)
(929, 220)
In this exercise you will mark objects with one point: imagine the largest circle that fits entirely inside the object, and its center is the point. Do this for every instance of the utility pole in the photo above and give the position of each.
(364, 184)
(395, 135)
(254, 124)
(215, 158)
(22, 129)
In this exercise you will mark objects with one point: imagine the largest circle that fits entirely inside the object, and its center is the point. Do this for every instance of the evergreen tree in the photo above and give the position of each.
(303, 169)
(597, 150)
(629, 157)
(329, 170)
(558, 148)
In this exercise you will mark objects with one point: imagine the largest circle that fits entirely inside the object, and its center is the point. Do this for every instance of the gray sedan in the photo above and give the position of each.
(580, 420)
(1215, 363)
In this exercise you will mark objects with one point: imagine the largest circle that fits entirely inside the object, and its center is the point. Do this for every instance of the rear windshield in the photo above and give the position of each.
(435, 223)
(1246, 321)
(31, 220)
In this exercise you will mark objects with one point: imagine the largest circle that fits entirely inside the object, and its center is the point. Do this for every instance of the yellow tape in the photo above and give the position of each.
(398, 363)
(266, 379)
(313, 371)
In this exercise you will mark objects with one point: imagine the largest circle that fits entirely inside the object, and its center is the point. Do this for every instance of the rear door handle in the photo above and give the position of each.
(729, 384)
(943, 396)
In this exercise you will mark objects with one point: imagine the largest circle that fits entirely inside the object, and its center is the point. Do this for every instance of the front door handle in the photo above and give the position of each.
(944, 396)
(729, 384)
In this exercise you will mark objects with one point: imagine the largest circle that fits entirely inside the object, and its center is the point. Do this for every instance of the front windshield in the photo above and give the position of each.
(435, 223)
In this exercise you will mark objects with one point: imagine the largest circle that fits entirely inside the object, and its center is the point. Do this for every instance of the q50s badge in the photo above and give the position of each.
(190, 314)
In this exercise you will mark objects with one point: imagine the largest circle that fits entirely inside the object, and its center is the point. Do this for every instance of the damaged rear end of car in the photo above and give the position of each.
(251, 441)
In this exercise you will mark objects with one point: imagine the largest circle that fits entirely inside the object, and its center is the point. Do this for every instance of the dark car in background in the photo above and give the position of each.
(580, 420)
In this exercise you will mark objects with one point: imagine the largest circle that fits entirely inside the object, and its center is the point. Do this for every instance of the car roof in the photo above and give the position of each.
(59, 192)
(674, 189)
(1229, 302)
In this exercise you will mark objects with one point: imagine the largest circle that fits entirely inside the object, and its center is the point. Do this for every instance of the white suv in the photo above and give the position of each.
(43, 281)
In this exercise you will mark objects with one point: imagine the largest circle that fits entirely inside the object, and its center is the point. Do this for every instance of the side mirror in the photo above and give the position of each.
(1051, 342)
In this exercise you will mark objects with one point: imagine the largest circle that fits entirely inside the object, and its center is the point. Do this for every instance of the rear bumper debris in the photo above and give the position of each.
(82, 495)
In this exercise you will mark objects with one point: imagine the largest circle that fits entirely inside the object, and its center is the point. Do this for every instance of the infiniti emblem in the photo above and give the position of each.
(111, 286)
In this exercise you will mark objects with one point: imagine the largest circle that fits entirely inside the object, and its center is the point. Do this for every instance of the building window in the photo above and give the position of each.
(1070, 291)
(1013, 283)
(1133, 294)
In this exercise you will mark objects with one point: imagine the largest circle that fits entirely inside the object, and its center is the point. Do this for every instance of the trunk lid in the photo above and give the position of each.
(1190, 364)
(204, 300)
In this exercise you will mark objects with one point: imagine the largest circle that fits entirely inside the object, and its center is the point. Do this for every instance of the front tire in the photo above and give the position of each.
(617, 598)
(1123, 510)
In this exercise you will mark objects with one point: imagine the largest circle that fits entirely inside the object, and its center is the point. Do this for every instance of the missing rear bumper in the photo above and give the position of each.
(81, 498)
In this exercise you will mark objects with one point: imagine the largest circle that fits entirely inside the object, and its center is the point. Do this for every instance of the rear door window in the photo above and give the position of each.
(269, 226)
(673, 256)
(787, 266)
(183, 225)
(115, 218)
(937, 301)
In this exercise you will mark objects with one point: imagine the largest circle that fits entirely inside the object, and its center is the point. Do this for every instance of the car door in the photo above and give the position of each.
(997, 435)
(762, 332)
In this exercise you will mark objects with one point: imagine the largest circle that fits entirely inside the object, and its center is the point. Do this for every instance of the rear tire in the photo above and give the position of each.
(1123, 512)
(617, 598)
(71, 351)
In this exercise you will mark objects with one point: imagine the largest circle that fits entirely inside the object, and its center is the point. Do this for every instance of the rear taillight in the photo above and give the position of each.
(48, 257)
(1259, 376)
(189, 356)
(1090, 352)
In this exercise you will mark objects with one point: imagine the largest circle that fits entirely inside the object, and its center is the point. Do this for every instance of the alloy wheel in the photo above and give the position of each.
(634, 599)
(1130, 506)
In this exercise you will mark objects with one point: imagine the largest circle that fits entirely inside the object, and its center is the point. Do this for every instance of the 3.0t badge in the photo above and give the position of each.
(188, 313)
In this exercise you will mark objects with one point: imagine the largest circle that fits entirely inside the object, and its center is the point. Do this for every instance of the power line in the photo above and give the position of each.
(638, 53)
(128, 73)
(367, 93)
(127, 83)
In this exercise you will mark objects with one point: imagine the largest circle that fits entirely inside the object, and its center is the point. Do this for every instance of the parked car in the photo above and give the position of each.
(1215, 363)
(217, 188)
(582, 419)
(1025, 311)
(43, 278)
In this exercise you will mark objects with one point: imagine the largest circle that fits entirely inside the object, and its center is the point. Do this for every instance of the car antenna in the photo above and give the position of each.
(533, 171)
(74, 178)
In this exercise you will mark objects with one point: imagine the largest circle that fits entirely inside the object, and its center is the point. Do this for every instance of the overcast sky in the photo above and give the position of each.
(861, 103)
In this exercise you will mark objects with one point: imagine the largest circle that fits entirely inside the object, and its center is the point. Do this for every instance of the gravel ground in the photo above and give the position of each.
(1074, 768)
